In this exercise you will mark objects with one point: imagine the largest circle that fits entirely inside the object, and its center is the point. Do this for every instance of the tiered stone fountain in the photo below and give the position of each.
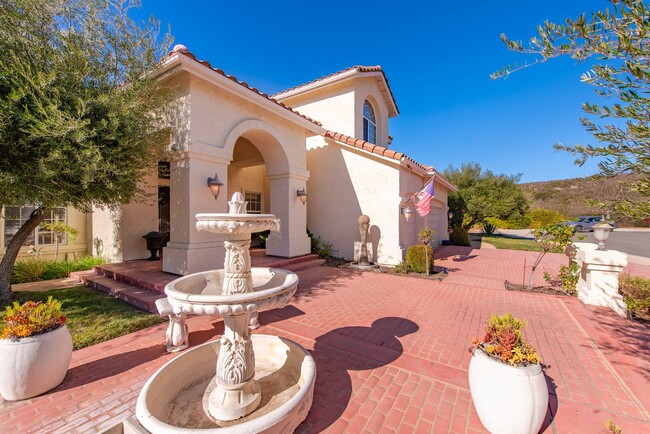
(262, 383)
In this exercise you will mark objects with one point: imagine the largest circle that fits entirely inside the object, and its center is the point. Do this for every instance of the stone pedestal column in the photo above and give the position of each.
(236, 393)
(598, 281)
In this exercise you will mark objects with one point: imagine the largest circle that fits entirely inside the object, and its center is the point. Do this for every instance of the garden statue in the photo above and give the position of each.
(364, 224)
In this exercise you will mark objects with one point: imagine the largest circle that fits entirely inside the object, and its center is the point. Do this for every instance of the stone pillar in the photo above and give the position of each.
(236, 393)
(189, 251)
(292, 239)
(598, 280)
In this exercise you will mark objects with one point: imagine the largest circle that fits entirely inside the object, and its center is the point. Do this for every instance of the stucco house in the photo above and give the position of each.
(328, 137)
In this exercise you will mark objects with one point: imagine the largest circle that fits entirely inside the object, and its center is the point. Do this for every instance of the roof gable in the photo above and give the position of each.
(352, 72)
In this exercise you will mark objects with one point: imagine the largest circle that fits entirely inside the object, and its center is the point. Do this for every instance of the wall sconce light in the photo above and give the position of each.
(302, 194)
(601, 233)
(215, 185)
(450, 215)
(407, 213)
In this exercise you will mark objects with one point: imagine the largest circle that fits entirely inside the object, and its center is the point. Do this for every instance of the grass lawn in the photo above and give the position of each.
(511, 243)
(93, 316)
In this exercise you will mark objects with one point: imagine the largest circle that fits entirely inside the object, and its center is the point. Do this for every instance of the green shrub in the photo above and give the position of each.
(488, 228)
(636, 294)
(415, 258)
(459, 237)
(519, 223)
(401, 268)
(322, 248)
(500, 224)
(59, 269)
(88, 262)
(31, 270)
(543, 217)
(35, 270)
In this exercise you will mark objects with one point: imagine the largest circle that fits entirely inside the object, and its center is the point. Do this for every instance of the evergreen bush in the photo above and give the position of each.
(459, 237)
(415, 258)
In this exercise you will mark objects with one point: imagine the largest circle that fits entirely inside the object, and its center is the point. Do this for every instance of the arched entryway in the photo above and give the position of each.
(268, 172)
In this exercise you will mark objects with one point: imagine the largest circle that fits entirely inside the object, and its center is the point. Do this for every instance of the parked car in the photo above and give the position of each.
(586, 223)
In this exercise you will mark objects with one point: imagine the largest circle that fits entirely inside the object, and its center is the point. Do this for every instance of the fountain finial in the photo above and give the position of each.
(237, 204)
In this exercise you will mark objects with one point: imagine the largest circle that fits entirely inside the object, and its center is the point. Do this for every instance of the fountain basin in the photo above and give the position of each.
(201, 293)
(236, 224)
(174, 399)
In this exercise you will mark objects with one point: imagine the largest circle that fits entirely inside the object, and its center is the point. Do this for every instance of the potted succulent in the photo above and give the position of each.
(506, 380)
(35, 349)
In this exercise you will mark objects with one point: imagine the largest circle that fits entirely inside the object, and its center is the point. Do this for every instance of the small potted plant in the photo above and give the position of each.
(35, 349)
(506, 381)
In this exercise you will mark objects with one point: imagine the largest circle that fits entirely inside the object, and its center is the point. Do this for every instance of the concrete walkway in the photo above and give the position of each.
(391, 355)
(46, 285)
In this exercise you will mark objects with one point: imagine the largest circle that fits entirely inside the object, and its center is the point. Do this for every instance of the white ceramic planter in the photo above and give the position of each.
(32, 366)
(508, 399)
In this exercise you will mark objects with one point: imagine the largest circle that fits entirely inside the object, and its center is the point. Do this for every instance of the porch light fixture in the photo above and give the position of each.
(215, 185)
(407, 213)
(302, 194)
(601, 233)
(450, 215)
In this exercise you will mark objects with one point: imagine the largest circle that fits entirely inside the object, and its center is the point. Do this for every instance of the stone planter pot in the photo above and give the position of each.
(508, 399)
(32, 366)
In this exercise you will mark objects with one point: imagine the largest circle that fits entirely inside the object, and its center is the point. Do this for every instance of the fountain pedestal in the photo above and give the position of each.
(237, 393)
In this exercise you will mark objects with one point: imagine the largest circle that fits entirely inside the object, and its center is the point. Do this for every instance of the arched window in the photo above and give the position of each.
(369, 124)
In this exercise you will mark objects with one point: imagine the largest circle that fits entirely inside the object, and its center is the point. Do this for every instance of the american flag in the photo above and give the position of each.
(423, 205)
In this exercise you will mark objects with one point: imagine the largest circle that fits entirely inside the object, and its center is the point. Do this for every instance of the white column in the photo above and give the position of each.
(191, 251)
(292, 239)
(598, 280)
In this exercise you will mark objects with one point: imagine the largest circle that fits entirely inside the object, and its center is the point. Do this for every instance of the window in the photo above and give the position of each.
(254, 202)
(369, 124)
(15, 216)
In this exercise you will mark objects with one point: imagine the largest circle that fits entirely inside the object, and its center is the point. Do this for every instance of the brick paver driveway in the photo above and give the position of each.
(391, 354)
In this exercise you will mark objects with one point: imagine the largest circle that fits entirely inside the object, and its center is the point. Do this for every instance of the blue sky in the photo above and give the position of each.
(437, 57)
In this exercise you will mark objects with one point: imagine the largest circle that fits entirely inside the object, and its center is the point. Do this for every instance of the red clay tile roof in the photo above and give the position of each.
(181, 49)
(375, 149)
(358, 68)
(384, 152)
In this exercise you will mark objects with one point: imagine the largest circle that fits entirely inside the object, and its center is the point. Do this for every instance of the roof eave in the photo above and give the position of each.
(211, 76)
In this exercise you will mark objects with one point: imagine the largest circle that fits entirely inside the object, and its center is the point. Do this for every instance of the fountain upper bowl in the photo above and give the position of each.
(235, 224)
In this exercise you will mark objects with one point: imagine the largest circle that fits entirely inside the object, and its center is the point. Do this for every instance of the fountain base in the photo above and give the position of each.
(233, 402)
(176, 398)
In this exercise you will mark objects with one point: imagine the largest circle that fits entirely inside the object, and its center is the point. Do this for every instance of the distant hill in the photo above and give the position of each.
(569, 196)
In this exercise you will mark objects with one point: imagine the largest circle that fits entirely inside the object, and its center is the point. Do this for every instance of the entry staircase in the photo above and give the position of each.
(140, 283)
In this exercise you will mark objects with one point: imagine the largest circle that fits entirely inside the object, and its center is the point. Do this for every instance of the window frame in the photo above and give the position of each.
(369, 123)
(38, 233)
(247, 198)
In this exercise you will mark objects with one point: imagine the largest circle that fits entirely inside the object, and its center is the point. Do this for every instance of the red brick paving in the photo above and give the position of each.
(391, 354)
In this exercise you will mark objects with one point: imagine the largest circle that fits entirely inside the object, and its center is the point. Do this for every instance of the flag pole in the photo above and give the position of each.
(425, 186)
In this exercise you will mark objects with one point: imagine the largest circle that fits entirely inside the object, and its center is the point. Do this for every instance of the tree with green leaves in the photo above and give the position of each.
(80, 111)
(617, 42)
(60, 230)
(550, 237)
(425, 235)
(481, 194)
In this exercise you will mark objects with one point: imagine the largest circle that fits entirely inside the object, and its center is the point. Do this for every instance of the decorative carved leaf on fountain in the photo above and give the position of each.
(231, 364)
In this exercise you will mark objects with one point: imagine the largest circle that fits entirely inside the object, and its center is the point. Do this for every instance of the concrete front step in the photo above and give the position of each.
(303, 265)
(141, 298)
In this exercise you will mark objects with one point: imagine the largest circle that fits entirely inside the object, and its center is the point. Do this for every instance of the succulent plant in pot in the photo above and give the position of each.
(504, 362)
(35, 349)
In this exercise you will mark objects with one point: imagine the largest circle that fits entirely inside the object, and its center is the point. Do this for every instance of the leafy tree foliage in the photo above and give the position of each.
(482, 194)
(618, 42)
(79, 107)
